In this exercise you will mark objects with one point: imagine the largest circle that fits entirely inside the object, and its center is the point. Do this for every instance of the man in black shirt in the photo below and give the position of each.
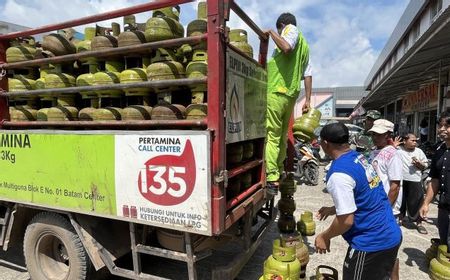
(440, 180)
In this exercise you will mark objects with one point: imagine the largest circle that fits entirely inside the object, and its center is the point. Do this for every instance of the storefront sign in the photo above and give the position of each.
(423, 99)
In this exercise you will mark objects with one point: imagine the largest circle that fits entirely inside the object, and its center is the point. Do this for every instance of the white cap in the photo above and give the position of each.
(382, 126)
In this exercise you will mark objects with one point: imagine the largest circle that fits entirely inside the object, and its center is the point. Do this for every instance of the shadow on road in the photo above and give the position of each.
(416, 258)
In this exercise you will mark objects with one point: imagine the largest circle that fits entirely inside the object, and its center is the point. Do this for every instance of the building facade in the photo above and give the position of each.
(333, 102)
(409, 82)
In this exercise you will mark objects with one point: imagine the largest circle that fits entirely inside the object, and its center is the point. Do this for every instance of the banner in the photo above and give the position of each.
(160, 179)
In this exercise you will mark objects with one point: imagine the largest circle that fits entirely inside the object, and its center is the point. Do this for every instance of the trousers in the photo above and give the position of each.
(279, 110)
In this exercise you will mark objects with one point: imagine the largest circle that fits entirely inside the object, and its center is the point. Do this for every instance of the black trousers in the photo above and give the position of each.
(412, 199)
(359, 265)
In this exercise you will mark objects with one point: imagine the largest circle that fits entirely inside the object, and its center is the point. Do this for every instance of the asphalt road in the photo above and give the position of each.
(411, 254)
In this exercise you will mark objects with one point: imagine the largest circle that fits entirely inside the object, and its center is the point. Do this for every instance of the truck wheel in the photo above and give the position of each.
(53, 250)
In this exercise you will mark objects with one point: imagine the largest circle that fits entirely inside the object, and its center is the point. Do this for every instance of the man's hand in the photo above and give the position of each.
(267, 32)
(306, 107)
(423, 211)
(325, 212)
(322, 244)
(397, 141)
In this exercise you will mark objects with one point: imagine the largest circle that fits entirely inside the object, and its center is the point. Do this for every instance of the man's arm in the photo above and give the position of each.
(394, 189)
(431, 193)
(282, 44)
(308, 87)
(339, 226)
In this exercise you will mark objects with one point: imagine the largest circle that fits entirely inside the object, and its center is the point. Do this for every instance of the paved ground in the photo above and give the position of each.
(411, 254)
(412, 257)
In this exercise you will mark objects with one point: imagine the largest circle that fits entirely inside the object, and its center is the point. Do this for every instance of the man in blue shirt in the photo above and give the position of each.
(363, 213)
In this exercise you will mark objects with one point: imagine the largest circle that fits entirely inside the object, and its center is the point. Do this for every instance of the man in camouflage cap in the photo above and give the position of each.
(362, 141)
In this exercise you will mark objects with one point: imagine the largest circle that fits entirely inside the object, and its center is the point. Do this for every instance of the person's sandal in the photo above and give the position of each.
(421, 229)
(272, 188)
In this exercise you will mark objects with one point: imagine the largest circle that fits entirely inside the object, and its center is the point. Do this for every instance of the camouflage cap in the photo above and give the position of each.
(373, 114)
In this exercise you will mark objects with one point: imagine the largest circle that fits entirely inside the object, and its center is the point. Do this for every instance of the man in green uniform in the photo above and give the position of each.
(287, 67)
(362, 141)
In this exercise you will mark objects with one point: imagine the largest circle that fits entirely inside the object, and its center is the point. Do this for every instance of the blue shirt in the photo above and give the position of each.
(374, 227)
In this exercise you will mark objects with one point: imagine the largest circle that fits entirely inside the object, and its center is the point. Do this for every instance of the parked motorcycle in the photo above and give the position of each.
(306, 165)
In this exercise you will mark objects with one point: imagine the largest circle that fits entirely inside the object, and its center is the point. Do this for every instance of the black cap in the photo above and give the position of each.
(335, 133)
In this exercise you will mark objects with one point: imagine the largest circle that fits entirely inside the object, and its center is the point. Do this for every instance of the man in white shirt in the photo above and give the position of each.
(414, 162)
(387, 162)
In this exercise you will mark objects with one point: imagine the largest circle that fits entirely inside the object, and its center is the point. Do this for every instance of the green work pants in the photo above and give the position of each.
(279, 110)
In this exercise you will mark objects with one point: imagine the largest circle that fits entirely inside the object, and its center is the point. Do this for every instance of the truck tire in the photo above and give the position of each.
(53, 250)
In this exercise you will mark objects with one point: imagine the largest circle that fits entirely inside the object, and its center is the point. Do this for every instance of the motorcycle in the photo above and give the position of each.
(306, 165)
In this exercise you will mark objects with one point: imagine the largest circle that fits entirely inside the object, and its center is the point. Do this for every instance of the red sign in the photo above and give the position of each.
(425, 98)
(169, 179)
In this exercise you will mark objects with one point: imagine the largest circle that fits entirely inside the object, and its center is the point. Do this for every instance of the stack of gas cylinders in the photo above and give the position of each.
(132, 103)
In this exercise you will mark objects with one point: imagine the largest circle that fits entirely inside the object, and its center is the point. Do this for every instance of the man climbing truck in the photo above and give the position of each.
(102, 157)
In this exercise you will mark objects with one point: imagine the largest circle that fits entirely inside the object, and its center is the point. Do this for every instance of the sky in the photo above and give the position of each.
(345, 36)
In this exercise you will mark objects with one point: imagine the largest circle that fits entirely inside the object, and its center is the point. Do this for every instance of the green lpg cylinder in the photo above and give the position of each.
(87, 114)
(302, 253)
(62, 113)
(137, 112)
(286, 205)
(440, 266)
(56, 79)
(22, 50)
(131, 35)
(21, 83)
(246, 180)
(164, 67)
(58, 44)
(282, 263)
(306, 225)
(286, 223)
(85, 45)
(238, 39)
(196, 111)
(108, 114)
(42, 114)
(198, 68)
(288, 186)
(134, 75)
(431, 252)
(202, 10)
(164, 25)
(43, 71)
(109, 77)
(249, 150)
(22, 113)
(235, 153)
(304, 126)
(103, 40)
(169, 112)
(88, 79)
(199, 26)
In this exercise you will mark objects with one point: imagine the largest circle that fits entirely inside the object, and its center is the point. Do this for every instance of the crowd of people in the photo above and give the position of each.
(374, 179)
(360, 168)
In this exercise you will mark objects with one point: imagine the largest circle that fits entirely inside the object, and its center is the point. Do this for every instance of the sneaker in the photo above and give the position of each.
(272, 188)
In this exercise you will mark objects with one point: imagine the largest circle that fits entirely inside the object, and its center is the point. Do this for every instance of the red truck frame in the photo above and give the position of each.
(225, 213)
